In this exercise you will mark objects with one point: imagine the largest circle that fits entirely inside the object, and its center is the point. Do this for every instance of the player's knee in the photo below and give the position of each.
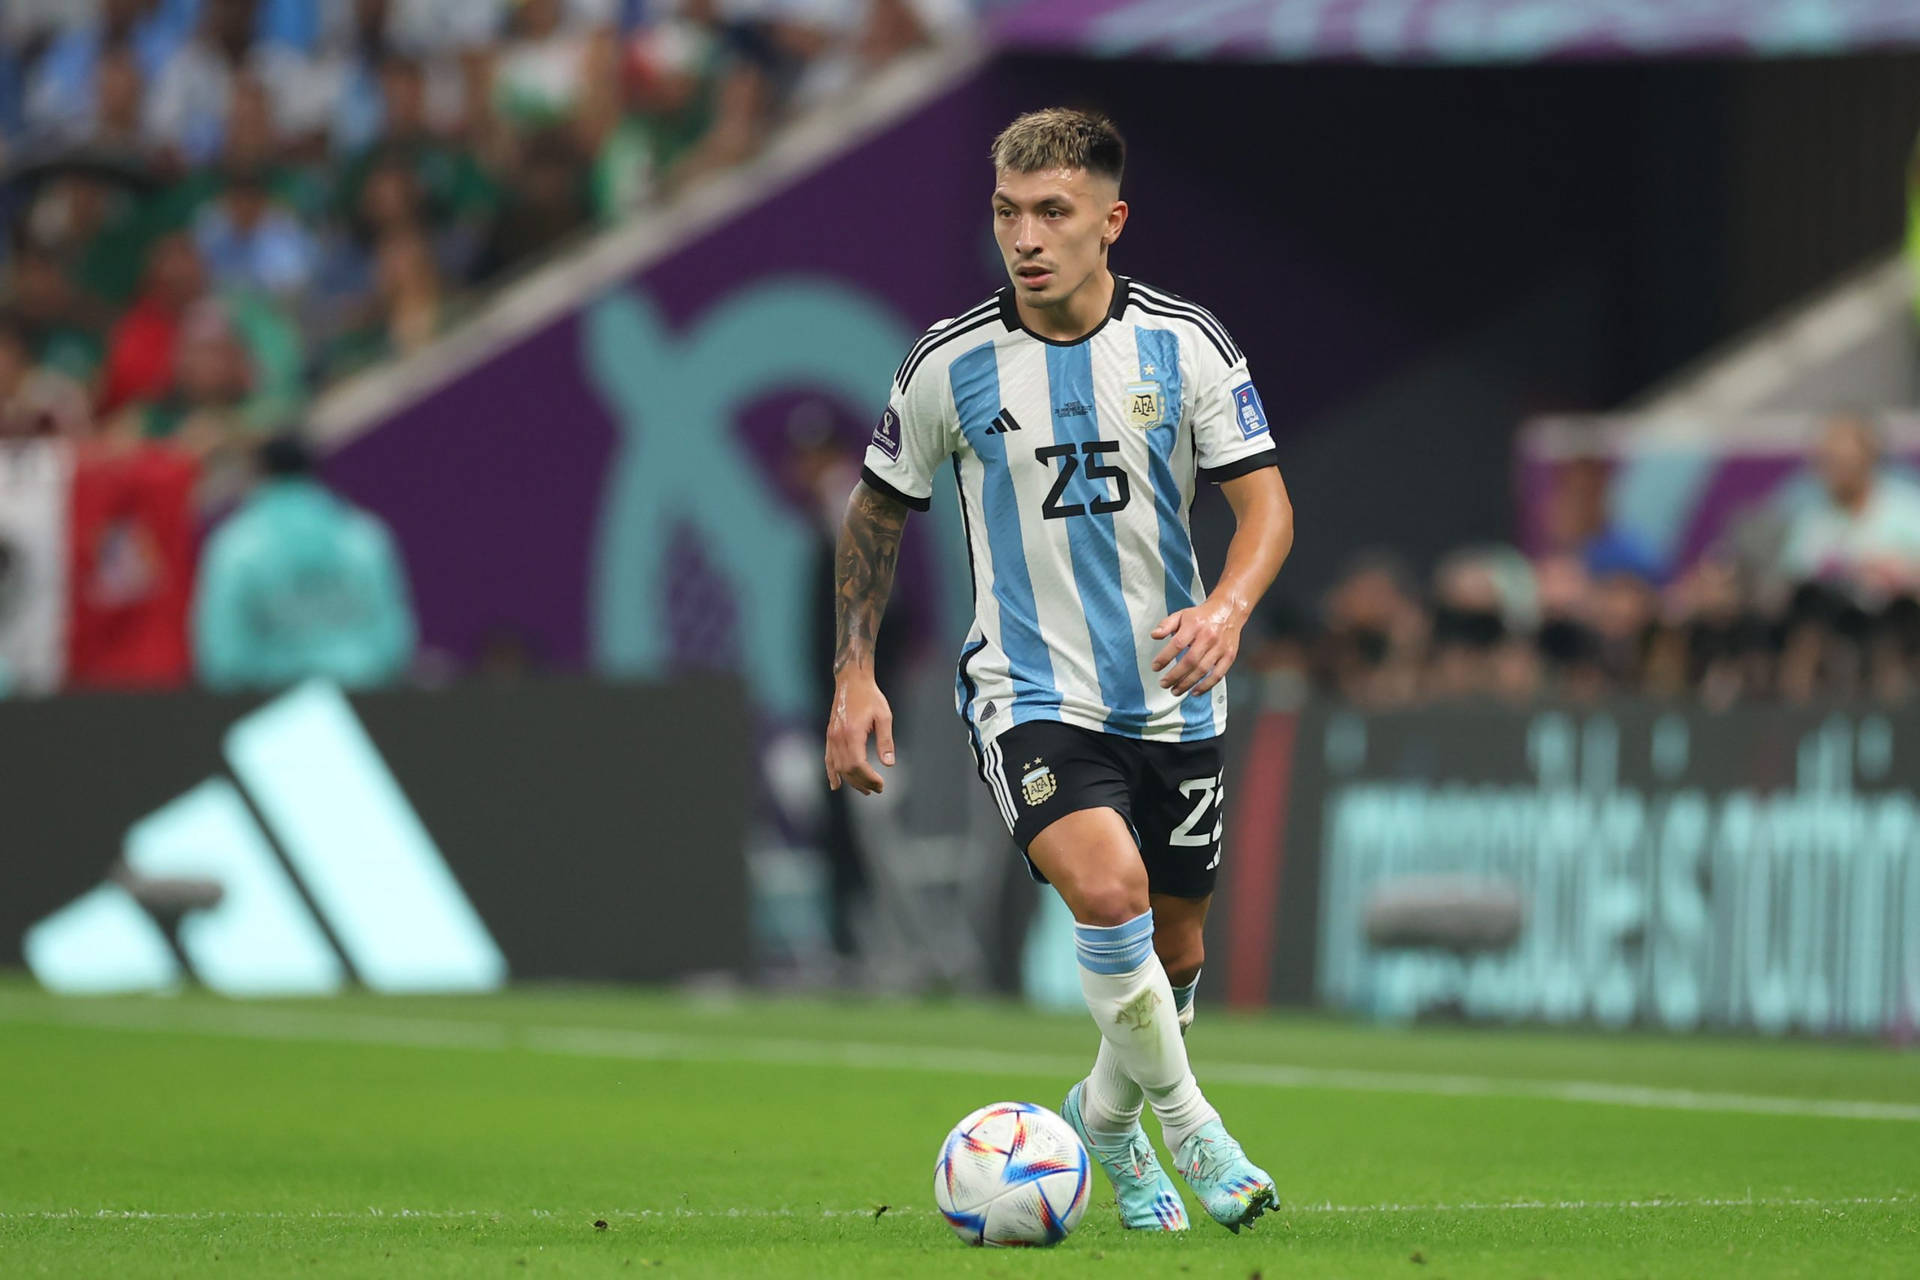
(1109, 900)
(1181, 955)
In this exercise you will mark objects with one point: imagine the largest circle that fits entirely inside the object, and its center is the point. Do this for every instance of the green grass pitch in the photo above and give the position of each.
(190, 1136)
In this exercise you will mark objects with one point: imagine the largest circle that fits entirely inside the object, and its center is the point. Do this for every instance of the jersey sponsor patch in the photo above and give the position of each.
(886, 436)
(1253, 414)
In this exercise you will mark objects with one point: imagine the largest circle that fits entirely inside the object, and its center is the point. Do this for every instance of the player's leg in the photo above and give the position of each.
(1063, 791)
(1113, 1100)
(1177, 808)
(1091, 859)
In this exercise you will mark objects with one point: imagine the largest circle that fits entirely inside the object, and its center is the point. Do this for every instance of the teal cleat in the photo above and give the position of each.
(1146, 1195)
(1234, 1190)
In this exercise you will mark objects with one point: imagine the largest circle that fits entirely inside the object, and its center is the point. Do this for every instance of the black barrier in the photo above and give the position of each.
(592, 831)
(1757, 869)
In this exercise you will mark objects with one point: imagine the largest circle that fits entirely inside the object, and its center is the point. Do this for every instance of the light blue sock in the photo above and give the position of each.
(1114, 949)
(1183, 996)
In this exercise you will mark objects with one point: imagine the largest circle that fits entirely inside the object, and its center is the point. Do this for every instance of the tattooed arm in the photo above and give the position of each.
(862, 580)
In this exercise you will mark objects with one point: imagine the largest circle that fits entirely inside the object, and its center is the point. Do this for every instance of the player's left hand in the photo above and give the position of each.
(1208, 635)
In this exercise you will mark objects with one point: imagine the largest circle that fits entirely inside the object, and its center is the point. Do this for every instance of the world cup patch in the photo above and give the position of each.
(1037, 783)
(886, 436)
(1253, 414)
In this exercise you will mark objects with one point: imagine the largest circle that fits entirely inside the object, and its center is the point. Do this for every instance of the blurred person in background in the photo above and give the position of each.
(249, 241)
(64, 326)
(203, 407)
(253, 144)
(413, 174)
(1579, 524)
(188, 104)
(411, 308)
(1484, 614)
(668, 76)
(77, 88)
(36, 401)
(1864, 538)
(1374, 634)
(140, 350)
(298, 583)
(544, 64)
(545, 203)
(822, 469)
(16, 363)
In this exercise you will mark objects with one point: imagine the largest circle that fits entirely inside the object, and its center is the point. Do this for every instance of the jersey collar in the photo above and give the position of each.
(1010, 314)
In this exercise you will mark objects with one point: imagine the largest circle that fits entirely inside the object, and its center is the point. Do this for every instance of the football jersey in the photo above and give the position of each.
(1076, 463)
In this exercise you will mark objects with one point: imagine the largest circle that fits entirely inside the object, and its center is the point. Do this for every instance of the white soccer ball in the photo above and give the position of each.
(1012, 1174)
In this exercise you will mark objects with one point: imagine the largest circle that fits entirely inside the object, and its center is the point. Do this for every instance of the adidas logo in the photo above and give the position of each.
(1002, 423)
(298, 869)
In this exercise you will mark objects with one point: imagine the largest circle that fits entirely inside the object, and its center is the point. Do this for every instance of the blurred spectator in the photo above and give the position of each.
(16, 363)
(202, 409)
(219, 187)
(35, 401)
(1864, 538)
(543, 65)
(82, 87)
(299, 583)
(1579, 524)
(187, 108)
(250, 241)
(1375, 635)
(412, 308)
(140, 353)
(670, 76)
(546, 204)
(413, 175)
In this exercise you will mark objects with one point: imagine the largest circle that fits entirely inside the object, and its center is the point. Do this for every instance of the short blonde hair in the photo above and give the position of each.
(1061, 138)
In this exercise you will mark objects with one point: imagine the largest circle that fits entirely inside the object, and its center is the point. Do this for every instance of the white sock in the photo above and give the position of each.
(1111, 1102)
(1132, 1003)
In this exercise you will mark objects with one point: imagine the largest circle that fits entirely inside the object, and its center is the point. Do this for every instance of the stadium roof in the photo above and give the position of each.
(1495, 31)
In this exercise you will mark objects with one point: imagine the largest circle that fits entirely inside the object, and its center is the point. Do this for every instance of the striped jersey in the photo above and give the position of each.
(1076, 463)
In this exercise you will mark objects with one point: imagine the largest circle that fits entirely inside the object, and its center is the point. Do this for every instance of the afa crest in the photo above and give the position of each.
(1037, 783)
(1146, 404)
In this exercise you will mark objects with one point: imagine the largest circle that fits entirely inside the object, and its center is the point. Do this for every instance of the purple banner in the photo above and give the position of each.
(618, 489)
(1456, 30)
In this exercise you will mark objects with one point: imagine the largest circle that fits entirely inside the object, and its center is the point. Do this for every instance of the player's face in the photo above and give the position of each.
(1053, 228)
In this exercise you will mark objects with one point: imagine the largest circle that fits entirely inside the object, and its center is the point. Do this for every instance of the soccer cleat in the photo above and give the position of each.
(1146, 1195)
(1234, 1190)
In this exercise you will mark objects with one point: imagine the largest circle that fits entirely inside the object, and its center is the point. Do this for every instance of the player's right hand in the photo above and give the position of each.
(860, 711)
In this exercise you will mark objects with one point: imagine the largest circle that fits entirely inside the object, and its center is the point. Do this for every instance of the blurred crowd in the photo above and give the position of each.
(1802, 597)
(211, 206)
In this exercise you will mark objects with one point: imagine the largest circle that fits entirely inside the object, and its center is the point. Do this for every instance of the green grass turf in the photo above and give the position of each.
(383, 1137)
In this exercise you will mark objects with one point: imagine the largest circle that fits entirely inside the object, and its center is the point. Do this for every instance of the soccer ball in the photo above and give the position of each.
(1012, 1174)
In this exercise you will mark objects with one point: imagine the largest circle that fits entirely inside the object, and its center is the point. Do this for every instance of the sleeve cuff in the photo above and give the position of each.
(874, 482)
(1239, 467)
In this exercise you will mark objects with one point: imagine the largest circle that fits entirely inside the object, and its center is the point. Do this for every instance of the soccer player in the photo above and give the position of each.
(1079, 410)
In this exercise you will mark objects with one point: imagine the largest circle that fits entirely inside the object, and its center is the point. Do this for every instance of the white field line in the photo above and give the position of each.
(657, 1046)
(1328, 1208)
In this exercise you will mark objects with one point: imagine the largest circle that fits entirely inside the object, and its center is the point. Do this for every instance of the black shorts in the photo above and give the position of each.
(1169, 793)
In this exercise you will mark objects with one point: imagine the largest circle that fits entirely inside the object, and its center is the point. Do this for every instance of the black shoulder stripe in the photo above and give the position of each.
(1178, 303)
(1226, 352)
(1199, 314)
(946, 335)
(933, 335)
